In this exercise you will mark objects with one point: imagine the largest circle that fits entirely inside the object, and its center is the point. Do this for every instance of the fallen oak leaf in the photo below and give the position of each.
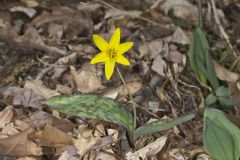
(19, 145)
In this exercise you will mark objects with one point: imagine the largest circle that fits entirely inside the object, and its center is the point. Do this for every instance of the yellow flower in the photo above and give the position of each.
(111, 52)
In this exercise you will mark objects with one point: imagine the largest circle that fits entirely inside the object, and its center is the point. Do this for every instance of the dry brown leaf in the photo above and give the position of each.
(85, 142)
(180, 37)
(9, 130)
(113, 93)
(30, 12)
(149, 150)
(6, 116)
(159, 65)
(19, 145)
(74, 22)
(30, 3)
(29, 158)
(133, 87)
(51, 136)
(27, 42)
(225, 74)
(40, 118)
(64, 89)
(41, 89)
(23, 96)
(104, 156)
(21, 125)
(182, 9)
(67, 156)
(86, 79)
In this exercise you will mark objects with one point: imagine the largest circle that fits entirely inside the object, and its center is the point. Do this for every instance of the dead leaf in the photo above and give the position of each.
(40, 89)
(30, 12)
(175, 57)
(180, 37)
(23, 96)
(27, 42)
(19, 145)
(9, 130)
(74, 22)
(182, 9)
(85, 142)
(149, 150)
(113, 93)
(104, 156)
(64, 89)
(67, 156)
(40, 118)
(86, 79)
(6, 116)
(133, 87)
(51, 136)
(159, 65)
(225, 74)
(28, 158)
(30, 3)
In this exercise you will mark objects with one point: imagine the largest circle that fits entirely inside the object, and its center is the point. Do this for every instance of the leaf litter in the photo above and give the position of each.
(54, 40)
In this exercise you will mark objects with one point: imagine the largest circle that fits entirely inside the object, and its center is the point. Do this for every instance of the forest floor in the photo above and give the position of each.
(45, 50)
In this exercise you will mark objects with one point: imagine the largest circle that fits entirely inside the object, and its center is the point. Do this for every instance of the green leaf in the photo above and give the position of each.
(161, 125)
(218, 142)
(224, 97)
(226, 102)
(95, 107)
(211, 99)
(220, 120)
(200, 59)
(223, 91)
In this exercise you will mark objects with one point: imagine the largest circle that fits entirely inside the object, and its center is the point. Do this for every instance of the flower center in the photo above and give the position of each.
(111, 53)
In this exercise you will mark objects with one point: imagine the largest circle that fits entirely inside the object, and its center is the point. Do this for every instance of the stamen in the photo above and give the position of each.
(111, 53)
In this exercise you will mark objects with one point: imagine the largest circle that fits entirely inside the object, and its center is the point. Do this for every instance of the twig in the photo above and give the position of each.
(130, 14)
(200, 20)
(131, 97)
(223, 32)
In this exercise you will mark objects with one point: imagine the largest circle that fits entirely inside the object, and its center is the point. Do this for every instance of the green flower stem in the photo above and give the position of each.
(131, 97)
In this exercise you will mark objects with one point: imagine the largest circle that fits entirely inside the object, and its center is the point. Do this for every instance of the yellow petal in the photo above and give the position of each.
(101, 57)
(109, 68)
(124, 47)
(115, 39)
(122, 60)
(100, 42)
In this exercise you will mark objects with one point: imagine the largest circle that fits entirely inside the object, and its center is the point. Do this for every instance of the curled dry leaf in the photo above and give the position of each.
(149, 150)
(23, 96)
(19, 145)
(40, 118)
(6, 116)
(86, 79)
(40, 89)
(225, 74)
(9, 130)
(51, 136)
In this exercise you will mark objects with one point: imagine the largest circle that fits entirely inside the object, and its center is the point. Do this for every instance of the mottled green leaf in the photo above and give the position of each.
(227, 128)
(95, 107)
(161, 125)
(223, 91)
